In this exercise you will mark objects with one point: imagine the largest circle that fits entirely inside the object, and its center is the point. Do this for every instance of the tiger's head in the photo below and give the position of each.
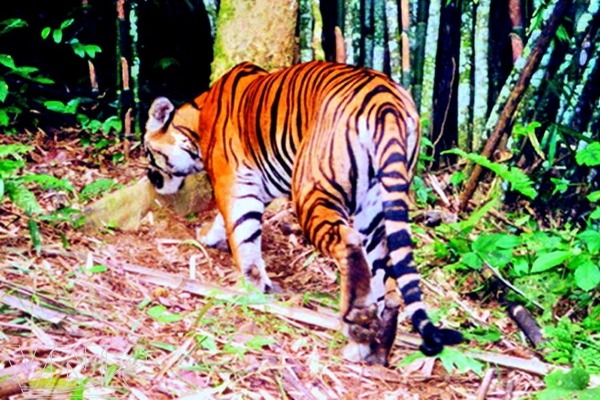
(172, 150)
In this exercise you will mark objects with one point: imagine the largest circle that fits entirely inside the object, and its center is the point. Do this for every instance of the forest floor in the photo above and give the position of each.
(99, 314)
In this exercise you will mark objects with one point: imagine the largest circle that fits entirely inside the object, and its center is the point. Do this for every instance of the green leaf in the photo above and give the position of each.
(207, 342)
(96, 269)
(9, 167)
(34, 232)
(7, 61)
(595, 214)
(587, 276)
(91, 50)
(13, 149)
(549, 260)
(112, 123)
(576, 379)
(57, 35)
(47, 182)
(98, 188)
(591, 238)
(23, 198)
(453, 358)
(4, 118)
(589, 156)
(1, 189)
(3, 90)
(594, 196)
(160, 314)
(484, 335)
(66, 23)
(164, 346)
(258, 342)
(472, 261)
(46, 32)
(10, 24)
(60, 107)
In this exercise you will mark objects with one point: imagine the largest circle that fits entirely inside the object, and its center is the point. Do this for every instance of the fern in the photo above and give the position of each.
(48, 182)
(14, 149)
(97, 188)
(514, 176)
(23, 198)
(10, 167)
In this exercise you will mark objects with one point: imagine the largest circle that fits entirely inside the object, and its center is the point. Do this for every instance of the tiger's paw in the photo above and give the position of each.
(434, 339)
(362, 323)
(356, 352)
(214, 242)
(257, 277)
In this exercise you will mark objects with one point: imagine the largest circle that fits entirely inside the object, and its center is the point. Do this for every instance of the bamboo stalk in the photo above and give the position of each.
(481, 87)
(317, 42)
(379, 34)
(305, 30)
(406, 69)
(121, 31)
(352, 31)
(576, 70)
(419, 13)
(367, 37)
(394, 41)
(429, 61)
(135, 68)
(521, 74)
(581, 111)
(465, 73)
(212, 10)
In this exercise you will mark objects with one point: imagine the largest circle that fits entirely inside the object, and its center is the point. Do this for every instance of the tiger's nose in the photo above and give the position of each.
(155, 178)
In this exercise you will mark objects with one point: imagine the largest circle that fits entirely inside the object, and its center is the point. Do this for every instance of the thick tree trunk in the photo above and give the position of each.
(260, 31)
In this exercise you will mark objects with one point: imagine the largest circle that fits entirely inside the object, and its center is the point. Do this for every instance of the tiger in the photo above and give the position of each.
(342, 142)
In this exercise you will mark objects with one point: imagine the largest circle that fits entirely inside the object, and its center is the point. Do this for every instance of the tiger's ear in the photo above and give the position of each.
(159, 113)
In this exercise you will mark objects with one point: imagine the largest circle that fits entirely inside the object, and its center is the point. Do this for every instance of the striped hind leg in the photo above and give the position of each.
(369, 222)
(327, 227)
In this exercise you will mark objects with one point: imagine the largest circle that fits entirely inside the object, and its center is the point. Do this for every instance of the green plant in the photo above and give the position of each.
(570, 385)
(16, 186)
(517, 179)
(15, 80)
(79, 48)
(574, 343)
(97, 188)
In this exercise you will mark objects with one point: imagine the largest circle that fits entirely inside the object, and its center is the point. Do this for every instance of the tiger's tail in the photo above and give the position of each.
(396, 153)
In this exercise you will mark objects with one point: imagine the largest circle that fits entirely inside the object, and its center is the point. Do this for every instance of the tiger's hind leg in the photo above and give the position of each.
(369, 222)
(327, 227)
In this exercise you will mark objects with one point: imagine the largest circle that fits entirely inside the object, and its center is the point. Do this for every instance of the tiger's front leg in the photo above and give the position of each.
(216, 236)
(242, 216)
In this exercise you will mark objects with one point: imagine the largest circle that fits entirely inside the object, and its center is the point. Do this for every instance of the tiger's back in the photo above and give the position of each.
(341, 141)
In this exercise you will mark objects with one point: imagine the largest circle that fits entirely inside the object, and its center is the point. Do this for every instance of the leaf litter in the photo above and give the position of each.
(77, 321)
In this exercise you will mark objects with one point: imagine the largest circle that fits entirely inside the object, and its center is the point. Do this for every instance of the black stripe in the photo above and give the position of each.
(398, 239)
(252, 237)
(252, 215)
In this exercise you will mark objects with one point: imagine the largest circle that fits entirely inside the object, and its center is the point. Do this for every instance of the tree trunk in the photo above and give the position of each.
(261, 31)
